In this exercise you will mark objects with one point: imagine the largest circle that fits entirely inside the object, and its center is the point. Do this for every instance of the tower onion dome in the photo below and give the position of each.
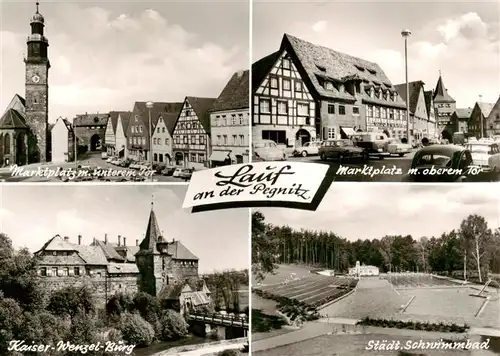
(37, 17)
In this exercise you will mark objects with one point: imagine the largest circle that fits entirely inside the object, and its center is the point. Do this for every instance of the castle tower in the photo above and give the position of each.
(37, 89)
(444, 106)
(153, 258)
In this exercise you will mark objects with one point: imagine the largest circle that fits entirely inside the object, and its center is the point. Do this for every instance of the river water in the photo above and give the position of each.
(155, 348)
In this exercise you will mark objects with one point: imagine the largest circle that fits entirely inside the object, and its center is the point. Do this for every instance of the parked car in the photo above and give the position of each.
(185, 173)
(373, 142)
(104, 155)
(451, 163)
(308, 149)
(158, 168)
(485, 154)
(168, 171)
(268, 150)
(341, 150)
(393, 146)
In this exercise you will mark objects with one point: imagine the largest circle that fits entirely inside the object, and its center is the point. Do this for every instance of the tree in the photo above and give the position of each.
(70, 300)
(119, 304)
(475, 233)
(136, 330)
(263, 248)
(174, 327)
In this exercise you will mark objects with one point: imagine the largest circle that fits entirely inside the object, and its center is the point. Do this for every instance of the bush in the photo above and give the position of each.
(119, 304)
(69, 301)
(146, 305)
(136, 330)
(173, 326)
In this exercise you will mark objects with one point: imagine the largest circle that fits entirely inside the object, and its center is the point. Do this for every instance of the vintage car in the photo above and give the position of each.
(308, 149)
(485, 154)
(268, 150)
(341, 150)
(393, 146)
(168, 171)
(442, 163)
(185, 173)
(373, 142)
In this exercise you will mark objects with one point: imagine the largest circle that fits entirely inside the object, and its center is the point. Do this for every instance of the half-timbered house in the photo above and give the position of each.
(192, 133)
(284, 110)
(351, 94)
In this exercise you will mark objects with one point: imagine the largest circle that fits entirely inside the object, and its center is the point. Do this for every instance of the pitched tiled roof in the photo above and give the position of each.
(12, 119)
(202, 107)
(170, 119)
(113, 116)
(157, 109)
(414, 89)
(235, 93)
(463, 113)
(262, 67)
(428, 101)
(125, 117)
(441, 94)
(21, 99)
(180, 252)
(324, 63)
(91, 255)
(192, 288)
(68, 124)
(123, 268)
(108, 250)
(486, 108)
(152, 233)
(91, 120)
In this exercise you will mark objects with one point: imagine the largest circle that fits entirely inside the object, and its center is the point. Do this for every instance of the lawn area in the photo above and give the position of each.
(283, 272)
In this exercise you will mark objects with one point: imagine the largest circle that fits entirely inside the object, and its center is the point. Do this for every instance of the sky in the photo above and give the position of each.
(366, 211)
(106, 55)
(32, 214)
(462, 39)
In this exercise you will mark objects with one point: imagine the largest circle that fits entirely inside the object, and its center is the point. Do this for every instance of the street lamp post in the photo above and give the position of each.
(406, 33)
(150, 105)
(481, 117)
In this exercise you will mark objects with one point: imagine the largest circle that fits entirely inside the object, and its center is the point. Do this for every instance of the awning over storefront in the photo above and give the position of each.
(348, 131)
(219, 156)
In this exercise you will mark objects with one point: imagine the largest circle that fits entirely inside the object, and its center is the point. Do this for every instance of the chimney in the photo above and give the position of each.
(93, 239)
(66, 238)
(137, 242)
(106, 239)
(79, 239)
(239, 74)
(173, 240)
(119, 240)
(124, 241)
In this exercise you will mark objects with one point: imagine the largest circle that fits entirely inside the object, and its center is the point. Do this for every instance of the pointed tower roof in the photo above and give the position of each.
(441, 94)
(152, 233)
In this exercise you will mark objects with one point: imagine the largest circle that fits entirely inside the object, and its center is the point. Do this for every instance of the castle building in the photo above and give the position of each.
(24, 127)
(162, 268)
(445, 106)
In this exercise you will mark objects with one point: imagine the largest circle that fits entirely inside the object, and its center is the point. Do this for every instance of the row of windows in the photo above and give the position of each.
(222, 120)
(286, 83)
(196, 157)
(385, 113)
(195, 140)
(63, 272)
(137, 140)
(189, 125)
(342, 111)
(237, 140)
(160, 130)
(136, 129)
(265, 107)
(443, 105)
(158, 141)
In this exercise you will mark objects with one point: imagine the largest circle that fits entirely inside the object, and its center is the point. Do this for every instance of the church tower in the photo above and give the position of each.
(37, 89)
(153, 259)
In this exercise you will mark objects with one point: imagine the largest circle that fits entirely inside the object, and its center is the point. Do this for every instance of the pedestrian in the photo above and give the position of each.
(425, 142)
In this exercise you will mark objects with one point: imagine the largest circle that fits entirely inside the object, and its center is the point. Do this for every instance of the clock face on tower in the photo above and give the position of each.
(35, 79)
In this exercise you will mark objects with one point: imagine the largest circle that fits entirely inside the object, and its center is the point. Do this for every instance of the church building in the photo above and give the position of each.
(24, 128)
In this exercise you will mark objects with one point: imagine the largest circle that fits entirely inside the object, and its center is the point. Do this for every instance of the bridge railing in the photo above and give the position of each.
(221, 319)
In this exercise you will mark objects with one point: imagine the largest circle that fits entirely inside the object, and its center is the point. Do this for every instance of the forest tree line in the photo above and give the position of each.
(473, 245)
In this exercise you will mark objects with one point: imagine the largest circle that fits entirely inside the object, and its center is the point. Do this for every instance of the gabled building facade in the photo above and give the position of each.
(431, 115)
(478, 122)
(351, 94)
(284, 110)
(445, 106)
(62, 141)
(419, 117)
(460, 121)
(14, 134)
(110, 134)
(138, 132)
(192, 133)
(121, 147)
(162, 138)
(229, 120)
(493, 120)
